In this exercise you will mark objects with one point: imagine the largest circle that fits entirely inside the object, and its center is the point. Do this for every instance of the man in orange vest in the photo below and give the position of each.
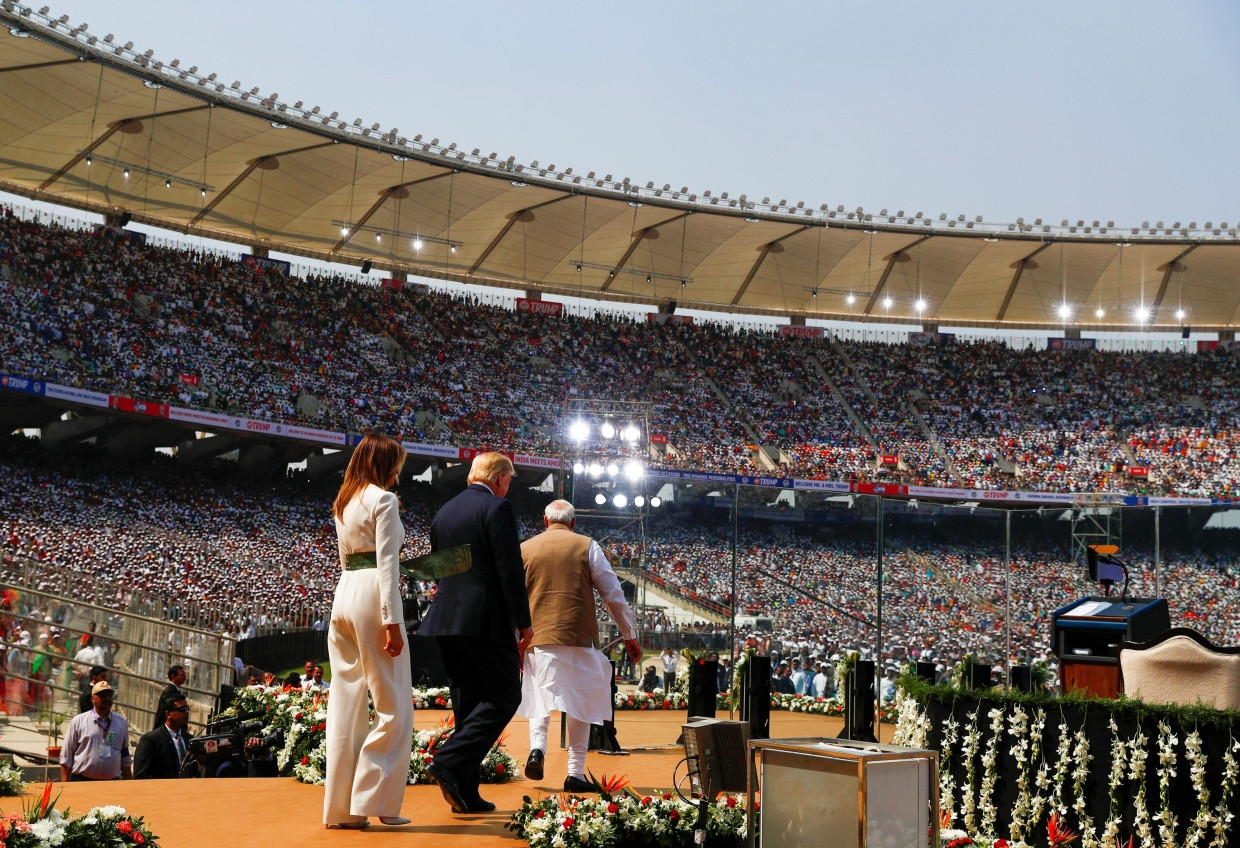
(564, 668)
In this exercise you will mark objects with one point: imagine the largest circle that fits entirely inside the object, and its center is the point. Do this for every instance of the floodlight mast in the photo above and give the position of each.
(598, 438)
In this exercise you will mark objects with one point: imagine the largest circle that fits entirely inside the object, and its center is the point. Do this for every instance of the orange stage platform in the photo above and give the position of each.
(189, 814)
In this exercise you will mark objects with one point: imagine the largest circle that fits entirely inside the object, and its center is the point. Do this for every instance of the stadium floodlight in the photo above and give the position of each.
(1064, 311)
(417, 245)
(1179, 314)
(595, 469)
(656, 501)
(633, 470)
(621, 500)
(630, 433)
(579, 468)
(579, 430)
(888, 302)
(612, 469)
(851, 299)
(920, 305)
(639, 502)
(1099, 312)
(1142, 314)
(600, 499)
(608, 430)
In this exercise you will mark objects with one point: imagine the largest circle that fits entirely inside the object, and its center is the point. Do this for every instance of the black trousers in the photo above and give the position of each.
(484, 678)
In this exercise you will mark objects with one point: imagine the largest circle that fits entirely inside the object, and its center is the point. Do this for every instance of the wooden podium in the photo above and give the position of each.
(1086, 635)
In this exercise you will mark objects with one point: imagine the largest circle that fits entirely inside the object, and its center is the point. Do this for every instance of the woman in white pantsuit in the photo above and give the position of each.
(368, 766)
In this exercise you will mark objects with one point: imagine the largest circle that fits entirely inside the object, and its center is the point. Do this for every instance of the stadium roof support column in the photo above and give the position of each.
(882, 280)
(1011, 289)
(116, 125)
(522, 215)
(399, 191)
(637, 239)
(1173, 265)
(770, 247)
(271, 159)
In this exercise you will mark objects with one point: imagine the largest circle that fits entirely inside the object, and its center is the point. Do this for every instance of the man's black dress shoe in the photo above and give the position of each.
(576, 784)
(534, 765)
(479, 804)
(448, 787)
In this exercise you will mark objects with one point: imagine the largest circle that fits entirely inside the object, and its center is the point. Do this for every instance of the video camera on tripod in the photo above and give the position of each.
(234, 746)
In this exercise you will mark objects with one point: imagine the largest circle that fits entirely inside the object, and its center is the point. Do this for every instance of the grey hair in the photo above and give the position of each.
(560, 512)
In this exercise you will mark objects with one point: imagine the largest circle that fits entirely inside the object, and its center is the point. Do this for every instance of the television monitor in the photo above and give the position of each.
(1103, 567)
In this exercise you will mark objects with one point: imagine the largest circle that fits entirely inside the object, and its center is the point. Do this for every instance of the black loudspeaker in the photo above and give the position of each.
(980, 676)
(756, 696)
(1185, 331)
(859, 703)
(925, 670)
(703, 680)
(1022, 679)
(366, 266)
(671, 307)
(126, 217)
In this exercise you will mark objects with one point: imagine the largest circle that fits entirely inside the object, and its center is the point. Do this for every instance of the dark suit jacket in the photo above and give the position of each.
(156, 756)
(488, 601)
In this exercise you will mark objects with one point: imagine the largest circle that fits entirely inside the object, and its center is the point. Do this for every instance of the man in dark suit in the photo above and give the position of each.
(160, 752)
(176, 679)
(481, 621)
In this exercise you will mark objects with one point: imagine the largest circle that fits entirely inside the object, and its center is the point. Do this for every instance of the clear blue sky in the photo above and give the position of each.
(1123, 111)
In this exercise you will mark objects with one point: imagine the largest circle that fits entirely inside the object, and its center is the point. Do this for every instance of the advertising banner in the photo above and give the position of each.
(539, 307)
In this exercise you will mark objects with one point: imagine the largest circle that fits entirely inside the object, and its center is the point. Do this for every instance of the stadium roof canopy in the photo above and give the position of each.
(86, 122)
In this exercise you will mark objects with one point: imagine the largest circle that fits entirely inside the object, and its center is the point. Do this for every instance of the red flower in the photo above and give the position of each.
(296, 716)
(124, 827)
(646, 800)
(500, 768)
(667, 796)
(667, 703)
(674, 815)
(1056, 834)
(305, 761)
(731, 802)
(137, 837)
(568, 822)
(613, 808)
(1001, 843)
(539, 814)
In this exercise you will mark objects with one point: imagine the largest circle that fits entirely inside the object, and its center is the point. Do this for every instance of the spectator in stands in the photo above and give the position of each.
(97, 674)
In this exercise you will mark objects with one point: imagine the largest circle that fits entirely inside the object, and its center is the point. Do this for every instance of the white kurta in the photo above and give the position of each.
(574, 680)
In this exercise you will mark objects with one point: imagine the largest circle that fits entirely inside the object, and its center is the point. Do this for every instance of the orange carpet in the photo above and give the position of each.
(188, 814)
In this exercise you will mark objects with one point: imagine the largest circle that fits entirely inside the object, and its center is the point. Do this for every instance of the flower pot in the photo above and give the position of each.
(53, 751)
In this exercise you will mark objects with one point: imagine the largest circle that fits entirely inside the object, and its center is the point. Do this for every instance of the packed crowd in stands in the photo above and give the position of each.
(93, 309)
(243, 555)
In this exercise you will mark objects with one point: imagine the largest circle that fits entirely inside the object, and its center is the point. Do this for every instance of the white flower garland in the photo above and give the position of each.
(1197, 758)
(1136, 773)
(972, 742)
(1166, 770)
(990, 775)
(1222, 815)
(1119, 765)
(1026, 750)
(947, 783)
(1080, 773)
